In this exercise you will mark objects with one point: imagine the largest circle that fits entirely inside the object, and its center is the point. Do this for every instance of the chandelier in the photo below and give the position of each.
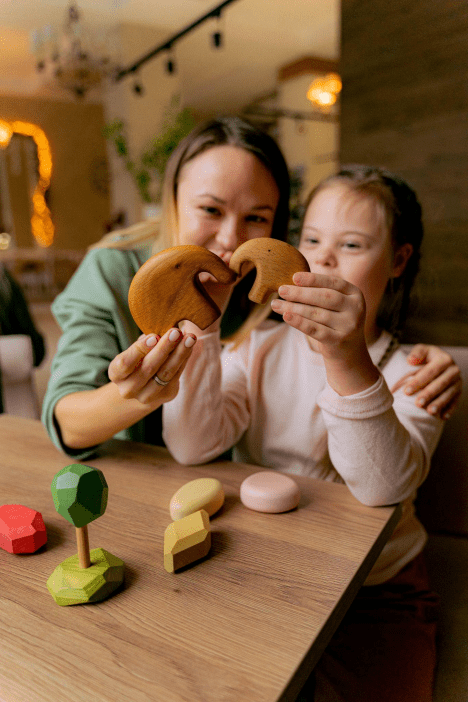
(77, 58)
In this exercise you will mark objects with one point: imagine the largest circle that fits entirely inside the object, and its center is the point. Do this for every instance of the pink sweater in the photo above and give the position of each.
(271, 401)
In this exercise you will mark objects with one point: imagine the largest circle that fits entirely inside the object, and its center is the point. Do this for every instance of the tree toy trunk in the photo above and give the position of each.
(83, 546)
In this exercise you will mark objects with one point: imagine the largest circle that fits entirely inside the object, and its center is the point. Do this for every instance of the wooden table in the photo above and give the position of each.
(246, 624)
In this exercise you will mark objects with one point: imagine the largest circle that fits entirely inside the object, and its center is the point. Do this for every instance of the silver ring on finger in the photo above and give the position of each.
(157, 380)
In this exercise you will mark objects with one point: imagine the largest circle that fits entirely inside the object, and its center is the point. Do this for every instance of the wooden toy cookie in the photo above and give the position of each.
(275, 261)
(166, 289)
(80, 495)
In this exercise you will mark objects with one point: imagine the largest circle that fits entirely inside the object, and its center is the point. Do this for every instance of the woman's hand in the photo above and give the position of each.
(134, 370)
(331, 312)
(438, 380)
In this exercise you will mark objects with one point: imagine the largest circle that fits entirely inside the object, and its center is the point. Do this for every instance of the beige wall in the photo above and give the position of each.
(309, 143)
(405, 106)
(78, 199)
(143, 114)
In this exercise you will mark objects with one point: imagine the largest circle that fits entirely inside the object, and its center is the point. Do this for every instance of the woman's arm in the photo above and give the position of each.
(438, 382)
(89, 417)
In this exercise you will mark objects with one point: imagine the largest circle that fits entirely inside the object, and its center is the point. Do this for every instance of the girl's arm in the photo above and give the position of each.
(380, 444)
(89, 417)
(438, 380)
(210, 413)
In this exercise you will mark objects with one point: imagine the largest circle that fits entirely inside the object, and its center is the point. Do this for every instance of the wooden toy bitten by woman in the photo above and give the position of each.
(275, 261)
(166, 289)
(80, 495)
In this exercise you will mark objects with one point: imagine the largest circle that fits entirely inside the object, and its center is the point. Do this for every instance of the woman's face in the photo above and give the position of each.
(343, 235)
(225, 196)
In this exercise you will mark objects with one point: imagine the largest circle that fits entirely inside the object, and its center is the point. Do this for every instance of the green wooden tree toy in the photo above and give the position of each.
(80, 495)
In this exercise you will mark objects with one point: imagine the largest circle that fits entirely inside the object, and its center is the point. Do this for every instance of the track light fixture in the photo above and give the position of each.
(217, 36)
(217, 40)
(171, 66)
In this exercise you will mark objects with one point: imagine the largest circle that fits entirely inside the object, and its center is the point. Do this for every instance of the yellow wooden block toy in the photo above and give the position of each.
(202, 493)
(186, 540)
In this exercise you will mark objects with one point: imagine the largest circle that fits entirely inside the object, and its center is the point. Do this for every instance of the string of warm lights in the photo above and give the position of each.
(41, 222)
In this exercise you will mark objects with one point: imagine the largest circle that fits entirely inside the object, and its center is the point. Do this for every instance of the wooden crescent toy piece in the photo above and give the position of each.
(275, 261)
(166, 289)
(80, 495)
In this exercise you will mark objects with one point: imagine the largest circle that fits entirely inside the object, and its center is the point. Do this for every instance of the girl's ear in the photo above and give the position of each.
(400, 259)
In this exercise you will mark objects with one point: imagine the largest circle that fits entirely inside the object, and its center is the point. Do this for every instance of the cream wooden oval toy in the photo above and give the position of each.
(275, 261)
(166, 289)
(202, 493)
(269, 491)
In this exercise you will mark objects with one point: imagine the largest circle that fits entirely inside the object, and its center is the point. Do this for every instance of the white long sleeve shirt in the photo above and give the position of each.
(270, 400)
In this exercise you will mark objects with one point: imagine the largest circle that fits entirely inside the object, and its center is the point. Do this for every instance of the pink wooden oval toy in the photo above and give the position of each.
(269, 491)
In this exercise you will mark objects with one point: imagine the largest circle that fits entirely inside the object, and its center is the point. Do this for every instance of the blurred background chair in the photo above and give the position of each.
(17, 376)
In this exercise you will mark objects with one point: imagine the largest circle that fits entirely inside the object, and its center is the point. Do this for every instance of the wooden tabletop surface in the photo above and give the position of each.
(246, 624)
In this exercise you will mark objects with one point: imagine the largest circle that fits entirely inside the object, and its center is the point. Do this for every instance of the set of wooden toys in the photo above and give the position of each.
(188, 538)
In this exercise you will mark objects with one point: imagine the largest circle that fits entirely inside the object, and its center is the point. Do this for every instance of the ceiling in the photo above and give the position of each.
(259, 37)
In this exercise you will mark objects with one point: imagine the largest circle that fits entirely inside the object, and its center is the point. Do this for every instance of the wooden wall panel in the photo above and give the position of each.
(405, 106)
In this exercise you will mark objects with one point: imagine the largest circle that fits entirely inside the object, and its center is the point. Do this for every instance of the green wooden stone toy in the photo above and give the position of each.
(80, 495)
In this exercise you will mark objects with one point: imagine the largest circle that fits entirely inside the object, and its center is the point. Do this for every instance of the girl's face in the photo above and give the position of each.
(225, 196)
(343, 235)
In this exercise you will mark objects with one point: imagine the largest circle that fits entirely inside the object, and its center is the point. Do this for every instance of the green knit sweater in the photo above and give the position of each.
(96, 325)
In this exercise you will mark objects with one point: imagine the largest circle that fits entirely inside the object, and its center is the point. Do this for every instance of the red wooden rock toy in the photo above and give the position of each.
(22, 529)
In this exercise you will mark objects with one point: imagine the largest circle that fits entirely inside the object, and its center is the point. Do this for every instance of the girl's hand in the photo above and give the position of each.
(331, 312)
(133, 370)
(438, 379)
(326, 308)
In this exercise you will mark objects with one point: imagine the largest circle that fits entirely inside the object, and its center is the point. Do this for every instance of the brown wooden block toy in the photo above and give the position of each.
(166, 289)
(275, 261)
(22, 529)
(186, 540)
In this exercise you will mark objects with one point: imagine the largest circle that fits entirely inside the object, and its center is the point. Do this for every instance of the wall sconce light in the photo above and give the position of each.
(323, 92)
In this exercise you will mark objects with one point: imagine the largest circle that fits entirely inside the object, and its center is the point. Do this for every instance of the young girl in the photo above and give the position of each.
(312, 397)
(226, 182)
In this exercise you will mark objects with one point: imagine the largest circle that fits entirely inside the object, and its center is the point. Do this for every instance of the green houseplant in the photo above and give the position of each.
(150, 166)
